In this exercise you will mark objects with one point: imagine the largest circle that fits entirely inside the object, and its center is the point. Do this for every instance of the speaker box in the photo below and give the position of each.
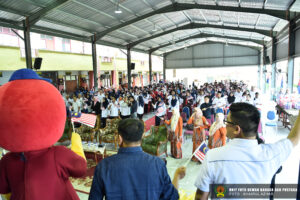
(37, 63)
(132, 66)
(267, 60)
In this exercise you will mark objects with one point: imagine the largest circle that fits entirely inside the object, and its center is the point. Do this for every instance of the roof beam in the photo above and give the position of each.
(16, 12)
(211, 42)
(63, 34)
(105, 14)
(198, 25)
(185, 6)
(41, 13)
(205, 35)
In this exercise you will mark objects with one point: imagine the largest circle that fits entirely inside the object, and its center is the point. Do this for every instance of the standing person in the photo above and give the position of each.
(104, 112)
(96, 108)
(133, 107)
(252, 163)
(160, 108)
(230, 98)
(76, 105)
(175, 133)
(132, 174)
(146, 98)
(174, 103)
(200, 98)
(217, 132)
(200, 124)
(113, 108)
(219, 102)
(140, 108)
(124, 108)
(206, 108)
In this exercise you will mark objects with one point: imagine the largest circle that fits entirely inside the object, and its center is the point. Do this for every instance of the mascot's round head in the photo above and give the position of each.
(32, 113)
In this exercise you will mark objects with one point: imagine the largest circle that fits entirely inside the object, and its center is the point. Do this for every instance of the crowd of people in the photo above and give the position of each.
(203, 107)
(160, 98)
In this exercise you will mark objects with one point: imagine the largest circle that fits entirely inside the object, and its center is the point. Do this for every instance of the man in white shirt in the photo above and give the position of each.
(238, 95)
(243, 160)
(101, 95)
(76, 104)
(113, 108)
(124, 108)
(219, 102)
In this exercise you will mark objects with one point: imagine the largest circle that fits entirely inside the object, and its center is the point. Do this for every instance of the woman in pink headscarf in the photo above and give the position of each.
(200, 124)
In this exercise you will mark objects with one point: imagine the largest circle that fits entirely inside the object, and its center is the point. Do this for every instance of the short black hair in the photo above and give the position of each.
(246, 116)
(207, 96)
(131, 130)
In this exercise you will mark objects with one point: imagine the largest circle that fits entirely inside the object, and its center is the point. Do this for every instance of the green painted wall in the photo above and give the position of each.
(10, 60)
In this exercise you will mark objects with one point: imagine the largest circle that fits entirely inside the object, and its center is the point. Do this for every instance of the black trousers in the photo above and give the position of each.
(140, 116)
(146, 108)
(157, 121)
(125, 116)
(103, 122)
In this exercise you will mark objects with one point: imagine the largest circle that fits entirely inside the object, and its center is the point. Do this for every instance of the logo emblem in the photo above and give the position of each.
(220, 191)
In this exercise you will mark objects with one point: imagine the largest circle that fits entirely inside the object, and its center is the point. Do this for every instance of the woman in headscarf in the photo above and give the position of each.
(217, 132)
(200, 124)
(175, 133)
(140, 108)
(230, 98)
(174, 103)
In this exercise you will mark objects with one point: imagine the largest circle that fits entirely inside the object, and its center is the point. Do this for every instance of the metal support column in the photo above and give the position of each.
(150, 68)
(274, 49)
(27, 43)
(259, 71)
(264, 68)
(94, 56)
(292, 46)
(164, 67)
(129, 68)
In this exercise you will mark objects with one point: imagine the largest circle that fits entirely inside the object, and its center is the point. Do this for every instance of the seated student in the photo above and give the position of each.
(243, 160)
(206, 108)
(132, 174)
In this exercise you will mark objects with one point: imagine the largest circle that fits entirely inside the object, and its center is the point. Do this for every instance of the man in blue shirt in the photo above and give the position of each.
(132, 174)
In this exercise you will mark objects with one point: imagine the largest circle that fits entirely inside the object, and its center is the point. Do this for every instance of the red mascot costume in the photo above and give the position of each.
(32, 119)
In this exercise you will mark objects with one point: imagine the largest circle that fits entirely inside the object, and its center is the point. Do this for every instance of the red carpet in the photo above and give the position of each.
(150, 122)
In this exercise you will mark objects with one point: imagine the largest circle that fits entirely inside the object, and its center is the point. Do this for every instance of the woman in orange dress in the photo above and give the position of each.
(175, 133)
(217, 132)
(200, 124)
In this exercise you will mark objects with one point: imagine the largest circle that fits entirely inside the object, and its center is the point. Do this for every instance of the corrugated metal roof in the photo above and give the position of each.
(84, 18)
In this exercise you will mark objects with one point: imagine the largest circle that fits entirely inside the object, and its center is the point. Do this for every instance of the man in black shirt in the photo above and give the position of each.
(206, 108)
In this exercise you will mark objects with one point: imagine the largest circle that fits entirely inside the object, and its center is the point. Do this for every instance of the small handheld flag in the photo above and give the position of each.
(201, 151)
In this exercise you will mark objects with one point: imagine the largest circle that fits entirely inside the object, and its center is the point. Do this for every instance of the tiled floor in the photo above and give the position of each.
(289, 173)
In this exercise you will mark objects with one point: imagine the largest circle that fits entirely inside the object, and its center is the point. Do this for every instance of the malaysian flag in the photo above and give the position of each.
(86, 119)
(201, 151)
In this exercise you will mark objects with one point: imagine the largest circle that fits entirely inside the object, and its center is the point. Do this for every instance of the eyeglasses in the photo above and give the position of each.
(228, 122)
